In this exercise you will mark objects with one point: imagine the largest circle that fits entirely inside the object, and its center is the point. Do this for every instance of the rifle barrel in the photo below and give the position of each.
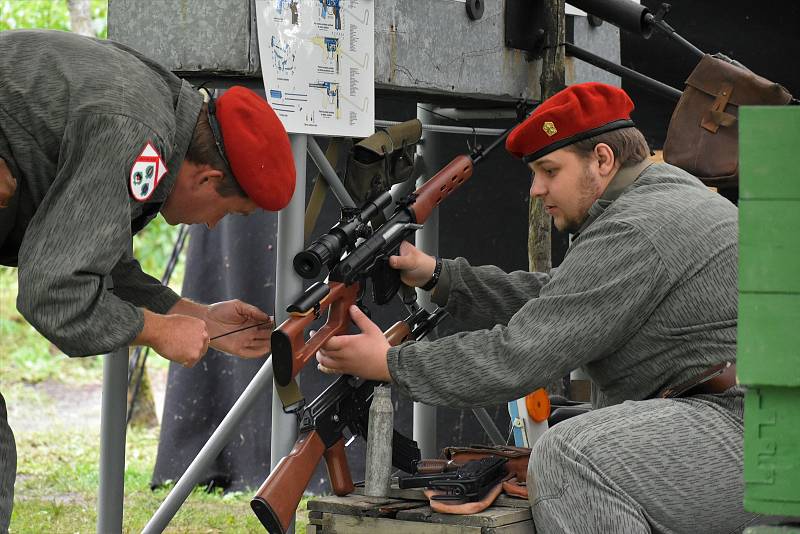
(483, 153)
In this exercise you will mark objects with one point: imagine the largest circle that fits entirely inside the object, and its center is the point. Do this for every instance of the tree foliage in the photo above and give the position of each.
(51, 14)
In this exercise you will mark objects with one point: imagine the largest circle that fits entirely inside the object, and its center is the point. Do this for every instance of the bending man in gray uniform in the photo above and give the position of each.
(95, 141)
(645, 302)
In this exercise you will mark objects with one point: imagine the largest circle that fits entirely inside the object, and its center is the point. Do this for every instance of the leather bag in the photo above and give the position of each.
(382, 160)
(703, 133)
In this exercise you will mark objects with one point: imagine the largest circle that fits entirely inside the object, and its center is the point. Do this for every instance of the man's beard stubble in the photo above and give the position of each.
(587, 193)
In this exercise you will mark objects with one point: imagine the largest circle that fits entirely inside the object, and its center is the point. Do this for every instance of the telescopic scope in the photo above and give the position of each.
(328, 248)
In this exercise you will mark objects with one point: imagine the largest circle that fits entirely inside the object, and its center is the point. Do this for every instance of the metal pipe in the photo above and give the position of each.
(427, 240)
(670, 32)
(646, 82)
(287, 286)
(112, 439)
(445, 129)
(474, 114)
(328, 172)
(221, 437)
(488, 426)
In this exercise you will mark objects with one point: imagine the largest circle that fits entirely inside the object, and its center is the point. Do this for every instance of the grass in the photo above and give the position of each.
(57, 481)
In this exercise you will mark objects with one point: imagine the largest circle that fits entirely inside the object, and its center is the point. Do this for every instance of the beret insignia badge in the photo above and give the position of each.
(549, 128)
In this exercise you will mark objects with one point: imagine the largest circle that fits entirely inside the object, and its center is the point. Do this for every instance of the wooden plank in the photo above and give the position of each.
(332, 523)
(491, 517)
(525, 527)
(416, 494)
(768, 332)
(349, 504)
(769, 246)
(337, 523)
(768, 152)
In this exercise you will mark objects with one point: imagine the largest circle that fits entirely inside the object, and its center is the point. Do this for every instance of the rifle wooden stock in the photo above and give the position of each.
(277, 498)
(290, 352)
(443, 183)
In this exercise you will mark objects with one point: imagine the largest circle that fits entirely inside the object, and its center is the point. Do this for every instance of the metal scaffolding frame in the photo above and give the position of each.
(284, 426)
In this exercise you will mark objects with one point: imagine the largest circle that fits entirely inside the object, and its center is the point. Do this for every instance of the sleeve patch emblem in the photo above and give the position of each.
(146, 173)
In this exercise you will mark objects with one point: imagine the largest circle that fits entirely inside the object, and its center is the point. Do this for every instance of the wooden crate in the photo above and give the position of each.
(407, 512)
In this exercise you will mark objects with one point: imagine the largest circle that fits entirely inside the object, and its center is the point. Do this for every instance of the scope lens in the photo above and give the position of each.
(307, 264)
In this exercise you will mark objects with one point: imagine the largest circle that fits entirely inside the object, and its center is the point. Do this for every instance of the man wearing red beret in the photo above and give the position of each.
(95, 141)
(645, 302)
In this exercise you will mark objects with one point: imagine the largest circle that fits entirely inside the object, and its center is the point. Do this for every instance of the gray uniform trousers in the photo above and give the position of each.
(8, 467)
(659, 465)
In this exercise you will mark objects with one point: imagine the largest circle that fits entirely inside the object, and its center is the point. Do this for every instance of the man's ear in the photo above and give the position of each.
(208, 176)
(606, 160)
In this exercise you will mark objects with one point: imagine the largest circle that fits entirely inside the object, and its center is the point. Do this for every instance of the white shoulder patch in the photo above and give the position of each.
(146, 173)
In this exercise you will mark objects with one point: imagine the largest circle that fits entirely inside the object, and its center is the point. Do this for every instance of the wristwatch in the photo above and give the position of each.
(437, 271)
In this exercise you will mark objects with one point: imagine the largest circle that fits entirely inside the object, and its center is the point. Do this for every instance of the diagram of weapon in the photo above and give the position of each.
(282, 56)
(332, 91)
(292, 4)
(328, 7)
(332, 49)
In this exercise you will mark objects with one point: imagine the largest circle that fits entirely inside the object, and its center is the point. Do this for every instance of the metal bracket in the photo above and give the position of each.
(525, 26)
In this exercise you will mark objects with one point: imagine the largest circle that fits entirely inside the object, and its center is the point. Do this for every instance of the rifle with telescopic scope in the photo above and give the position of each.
(354, 251)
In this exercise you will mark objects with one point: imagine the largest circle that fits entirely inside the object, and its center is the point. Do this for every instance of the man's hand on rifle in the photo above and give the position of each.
(416, 267)
(362, 355)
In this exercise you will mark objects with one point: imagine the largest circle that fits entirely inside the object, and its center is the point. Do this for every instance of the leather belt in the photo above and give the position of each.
(717, 379)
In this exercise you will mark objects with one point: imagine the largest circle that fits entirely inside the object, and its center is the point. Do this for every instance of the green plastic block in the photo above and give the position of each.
(769, 246)
(769, 137)
(768, 351)
(771, 451)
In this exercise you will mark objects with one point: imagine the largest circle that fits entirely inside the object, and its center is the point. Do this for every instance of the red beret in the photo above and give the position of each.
(576, 113)
(257, 147)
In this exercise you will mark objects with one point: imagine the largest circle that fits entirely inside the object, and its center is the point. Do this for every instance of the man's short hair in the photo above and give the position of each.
(628, 144)
(203, 151)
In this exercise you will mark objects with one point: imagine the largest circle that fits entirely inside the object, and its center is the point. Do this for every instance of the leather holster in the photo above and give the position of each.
(516, 466)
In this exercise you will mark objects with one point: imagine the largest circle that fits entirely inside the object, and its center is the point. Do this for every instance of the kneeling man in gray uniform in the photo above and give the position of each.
(645, 302)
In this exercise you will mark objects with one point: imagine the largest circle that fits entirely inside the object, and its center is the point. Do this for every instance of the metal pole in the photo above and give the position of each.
(287, 286)
(329, 173)
(112, 439)
(221, 437)
(457, 114)
(428, 242)
(488, 426)
(645, 82)
(441, 128)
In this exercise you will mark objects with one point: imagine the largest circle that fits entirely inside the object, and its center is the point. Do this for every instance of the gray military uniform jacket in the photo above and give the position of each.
(646, 298)
(75, 113)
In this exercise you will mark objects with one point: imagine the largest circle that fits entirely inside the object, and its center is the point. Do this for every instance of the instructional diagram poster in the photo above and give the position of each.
(317, 59)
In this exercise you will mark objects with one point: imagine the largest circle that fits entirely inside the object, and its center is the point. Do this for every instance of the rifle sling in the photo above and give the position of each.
(290, 396)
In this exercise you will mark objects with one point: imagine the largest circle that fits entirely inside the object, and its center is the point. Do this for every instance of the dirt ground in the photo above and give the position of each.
(52, 405)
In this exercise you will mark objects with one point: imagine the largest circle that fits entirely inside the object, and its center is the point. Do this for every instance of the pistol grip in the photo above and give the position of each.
(338, 469)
